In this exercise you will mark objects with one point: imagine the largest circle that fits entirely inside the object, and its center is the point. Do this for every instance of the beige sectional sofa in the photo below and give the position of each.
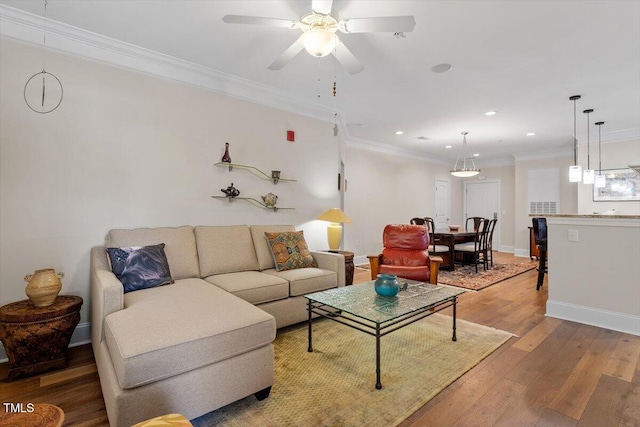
(206, 340)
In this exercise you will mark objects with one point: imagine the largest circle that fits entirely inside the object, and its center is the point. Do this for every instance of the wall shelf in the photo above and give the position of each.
(257, 172)
(253, 201)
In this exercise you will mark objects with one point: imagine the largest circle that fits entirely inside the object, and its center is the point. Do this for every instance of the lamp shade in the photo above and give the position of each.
(334, 215)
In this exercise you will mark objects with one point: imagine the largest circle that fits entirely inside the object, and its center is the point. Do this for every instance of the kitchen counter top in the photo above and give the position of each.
(607, 216)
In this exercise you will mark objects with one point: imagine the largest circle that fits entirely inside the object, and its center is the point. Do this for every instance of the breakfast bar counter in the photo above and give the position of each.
(594, 272)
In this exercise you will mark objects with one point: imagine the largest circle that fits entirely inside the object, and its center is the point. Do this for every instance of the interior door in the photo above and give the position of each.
(483, 199)
(442, 203)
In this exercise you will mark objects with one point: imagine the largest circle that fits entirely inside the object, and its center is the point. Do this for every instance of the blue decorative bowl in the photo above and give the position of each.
(386, 285)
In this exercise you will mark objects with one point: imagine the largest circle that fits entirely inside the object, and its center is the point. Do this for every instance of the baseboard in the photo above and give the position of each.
(81, 335)
(620, 322)
(523, 253)
(506, 249)
(362, 259)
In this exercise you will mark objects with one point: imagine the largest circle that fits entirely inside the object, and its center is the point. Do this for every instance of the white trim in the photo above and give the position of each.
(621, 322)
(543, 155)
(27, 27)
(594, 221)
(523, 253)
(360, 259)
(377, 147)
(81, 335)
(507, 249)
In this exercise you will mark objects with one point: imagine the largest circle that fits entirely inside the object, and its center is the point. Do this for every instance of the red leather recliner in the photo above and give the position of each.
(406, 254)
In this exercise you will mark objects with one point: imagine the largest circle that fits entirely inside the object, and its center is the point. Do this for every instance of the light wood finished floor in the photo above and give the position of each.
(557, 373)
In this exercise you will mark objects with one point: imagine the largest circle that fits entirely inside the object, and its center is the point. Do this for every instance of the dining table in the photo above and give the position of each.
(450, 237)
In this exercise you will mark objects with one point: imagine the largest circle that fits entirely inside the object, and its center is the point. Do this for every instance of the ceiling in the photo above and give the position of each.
(522, 59)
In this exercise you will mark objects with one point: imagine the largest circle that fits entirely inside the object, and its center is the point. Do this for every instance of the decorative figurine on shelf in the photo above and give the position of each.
(226, 157)
(270, 200)
(275, 176)
(231, 191)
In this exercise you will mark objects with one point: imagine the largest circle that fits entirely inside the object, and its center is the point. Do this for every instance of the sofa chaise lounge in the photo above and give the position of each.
(206, 340)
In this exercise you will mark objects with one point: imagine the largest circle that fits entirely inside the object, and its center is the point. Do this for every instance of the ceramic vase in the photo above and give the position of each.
(43, 287)
(226, 157)
(386, 285)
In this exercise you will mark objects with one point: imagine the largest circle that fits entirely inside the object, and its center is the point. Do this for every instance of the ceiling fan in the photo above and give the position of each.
(319, 32)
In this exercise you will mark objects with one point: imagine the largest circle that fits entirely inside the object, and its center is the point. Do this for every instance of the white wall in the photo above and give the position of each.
(386, 189)
(130, 150)
(616, 155)
(568, 195)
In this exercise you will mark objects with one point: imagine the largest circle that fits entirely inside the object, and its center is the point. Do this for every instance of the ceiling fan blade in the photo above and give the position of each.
(346, 58)
(386, 24)
(322, 7)
(257, 20)
(286, 56)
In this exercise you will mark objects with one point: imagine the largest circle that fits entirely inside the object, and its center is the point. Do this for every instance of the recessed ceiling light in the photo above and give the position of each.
(531, 134)
(441, 68)
(399, 132)
(476, 155)
(447, 146)
(490, 113)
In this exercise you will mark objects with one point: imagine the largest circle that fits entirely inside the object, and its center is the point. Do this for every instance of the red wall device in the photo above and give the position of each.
(291, 135)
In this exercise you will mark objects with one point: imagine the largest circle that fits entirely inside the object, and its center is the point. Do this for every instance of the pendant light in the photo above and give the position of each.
(601, 180)
(464, 172)
(575, 171)
(588, 175)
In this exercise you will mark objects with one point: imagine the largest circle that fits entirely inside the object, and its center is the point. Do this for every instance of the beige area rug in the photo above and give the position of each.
(466, 277)
(335, 385)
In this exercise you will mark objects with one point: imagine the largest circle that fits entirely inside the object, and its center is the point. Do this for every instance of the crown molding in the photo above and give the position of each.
(542, 155)
(29, 28)
(365, 144)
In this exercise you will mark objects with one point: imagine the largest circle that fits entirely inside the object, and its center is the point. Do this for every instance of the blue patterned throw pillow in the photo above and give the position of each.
(140, 267)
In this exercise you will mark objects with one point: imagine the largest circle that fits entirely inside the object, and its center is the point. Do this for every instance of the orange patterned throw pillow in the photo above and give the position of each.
(290, 250)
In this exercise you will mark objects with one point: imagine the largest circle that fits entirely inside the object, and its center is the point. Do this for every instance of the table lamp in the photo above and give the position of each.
(334, 231)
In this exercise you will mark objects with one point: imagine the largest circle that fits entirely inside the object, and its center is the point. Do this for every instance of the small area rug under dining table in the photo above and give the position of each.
(466, 277)
(335, 384)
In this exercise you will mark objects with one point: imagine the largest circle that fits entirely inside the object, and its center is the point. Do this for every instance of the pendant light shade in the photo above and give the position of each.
(464, 172)
(575, 171)
(601, 180)
(588, 175)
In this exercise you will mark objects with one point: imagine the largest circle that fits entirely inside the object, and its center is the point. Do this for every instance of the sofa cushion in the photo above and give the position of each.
(140, 267)
(252, 286)
(165, 331)
(180, 246)
(265, 259)
(290, 250)
(225, 249)
(306, 280)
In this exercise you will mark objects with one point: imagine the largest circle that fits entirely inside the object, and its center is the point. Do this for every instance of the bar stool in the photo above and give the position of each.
(540, 236)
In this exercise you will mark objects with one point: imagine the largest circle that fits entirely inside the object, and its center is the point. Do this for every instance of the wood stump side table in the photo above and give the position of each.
(348, 266)
(36, 338)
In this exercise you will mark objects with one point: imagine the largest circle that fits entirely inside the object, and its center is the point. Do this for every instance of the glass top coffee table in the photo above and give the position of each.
(359, 307)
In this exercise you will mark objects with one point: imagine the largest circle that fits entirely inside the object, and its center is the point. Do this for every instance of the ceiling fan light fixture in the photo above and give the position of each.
(319, 42)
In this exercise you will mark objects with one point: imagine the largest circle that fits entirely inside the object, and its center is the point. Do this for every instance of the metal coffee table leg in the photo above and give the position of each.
(378, 383)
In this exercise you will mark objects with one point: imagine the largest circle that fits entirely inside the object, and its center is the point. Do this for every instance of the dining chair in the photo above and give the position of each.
(492, 226)
(417, 221)
(478, 248)
(434, 248)
(540, 237)
(476, 222)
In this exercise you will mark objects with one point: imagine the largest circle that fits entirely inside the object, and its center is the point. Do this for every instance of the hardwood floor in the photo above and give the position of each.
(555, 373)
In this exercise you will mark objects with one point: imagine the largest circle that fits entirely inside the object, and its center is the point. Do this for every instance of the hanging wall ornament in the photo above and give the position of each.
(43, 91)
